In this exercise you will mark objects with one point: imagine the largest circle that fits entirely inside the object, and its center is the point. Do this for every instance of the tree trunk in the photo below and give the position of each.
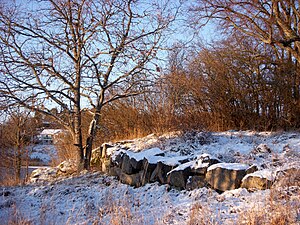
(18, 158)
(78, 139)
(90, 139)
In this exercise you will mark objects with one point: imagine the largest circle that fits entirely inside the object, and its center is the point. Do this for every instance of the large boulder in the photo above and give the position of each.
(226, 176)
(259, 180)
(178, 176)
(160, 172)
(196, 181)
(132, 179)
(136, 164)
(163, 166)
(117, 158)
(126, 165)
(197, 168)
(67, 167)
(133, 162)
(149, 165)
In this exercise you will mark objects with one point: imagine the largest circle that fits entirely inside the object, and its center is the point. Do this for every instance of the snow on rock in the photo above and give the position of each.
(94, 198)
(147, 154)
(46, 174)
(43, 174)
(226, 176)
(67, 167)
(229, 166)
(265, 173)
(202, 161)
(170, 161)
(259, 180)
(194, 170)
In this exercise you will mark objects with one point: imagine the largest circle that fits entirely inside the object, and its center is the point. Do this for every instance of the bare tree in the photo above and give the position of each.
(16, 134)
(274, 22)
(79, 55)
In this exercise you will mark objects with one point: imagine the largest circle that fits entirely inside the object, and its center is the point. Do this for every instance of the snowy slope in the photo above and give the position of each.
(94, 198)
(43, 153)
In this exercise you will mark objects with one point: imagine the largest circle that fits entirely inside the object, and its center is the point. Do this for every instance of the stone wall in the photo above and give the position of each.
(151, 165)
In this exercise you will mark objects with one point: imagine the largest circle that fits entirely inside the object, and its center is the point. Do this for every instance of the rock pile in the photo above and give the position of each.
(181, 172)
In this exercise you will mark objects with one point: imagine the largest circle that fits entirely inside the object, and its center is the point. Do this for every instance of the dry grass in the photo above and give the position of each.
(202, 214)
(119, 210)
(8, 180)
(65, 149)
(273, 213)
(17, 218)
(282, 206)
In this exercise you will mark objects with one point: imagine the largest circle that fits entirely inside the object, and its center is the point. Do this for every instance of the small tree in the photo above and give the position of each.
(79, 56)
(16, 134)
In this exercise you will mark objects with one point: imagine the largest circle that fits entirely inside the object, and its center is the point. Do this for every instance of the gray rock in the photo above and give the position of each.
(114, 171)
(160, 173)
(118, 160)
(251, 169)
(178, 178)
(67, 167)
(256, 183)
(126, 165)
(195, 182)
(133, 162)
(226, 176)
(148, 169)
(259, 180)
(136, 164)
(132, 179)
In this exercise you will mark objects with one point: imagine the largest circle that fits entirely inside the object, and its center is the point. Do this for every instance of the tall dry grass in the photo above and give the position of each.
(202, 214)
(282, 206)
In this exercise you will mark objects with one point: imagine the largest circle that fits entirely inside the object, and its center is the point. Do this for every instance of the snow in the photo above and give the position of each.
(147, 154)
(229, 166)
(172, 161)
(265, 173)
(94, 198)
(51, 131)
(182, 166)
(43, 153)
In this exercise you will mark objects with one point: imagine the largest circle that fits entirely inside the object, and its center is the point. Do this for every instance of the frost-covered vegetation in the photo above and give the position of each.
(93, 197)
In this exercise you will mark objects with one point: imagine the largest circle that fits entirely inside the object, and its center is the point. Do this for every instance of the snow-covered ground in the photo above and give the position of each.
(43, 153)
(94, 198)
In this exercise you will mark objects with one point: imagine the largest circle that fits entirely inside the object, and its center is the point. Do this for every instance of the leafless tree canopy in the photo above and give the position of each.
(75, 55)
(274, 22)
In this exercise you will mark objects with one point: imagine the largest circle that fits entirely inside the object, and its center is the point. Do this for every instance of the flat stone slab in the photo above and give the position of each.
(226, 176)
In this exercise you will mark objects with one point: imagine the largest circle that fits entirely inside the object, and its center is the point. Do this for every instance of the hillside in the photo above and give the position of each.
(96, 198)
